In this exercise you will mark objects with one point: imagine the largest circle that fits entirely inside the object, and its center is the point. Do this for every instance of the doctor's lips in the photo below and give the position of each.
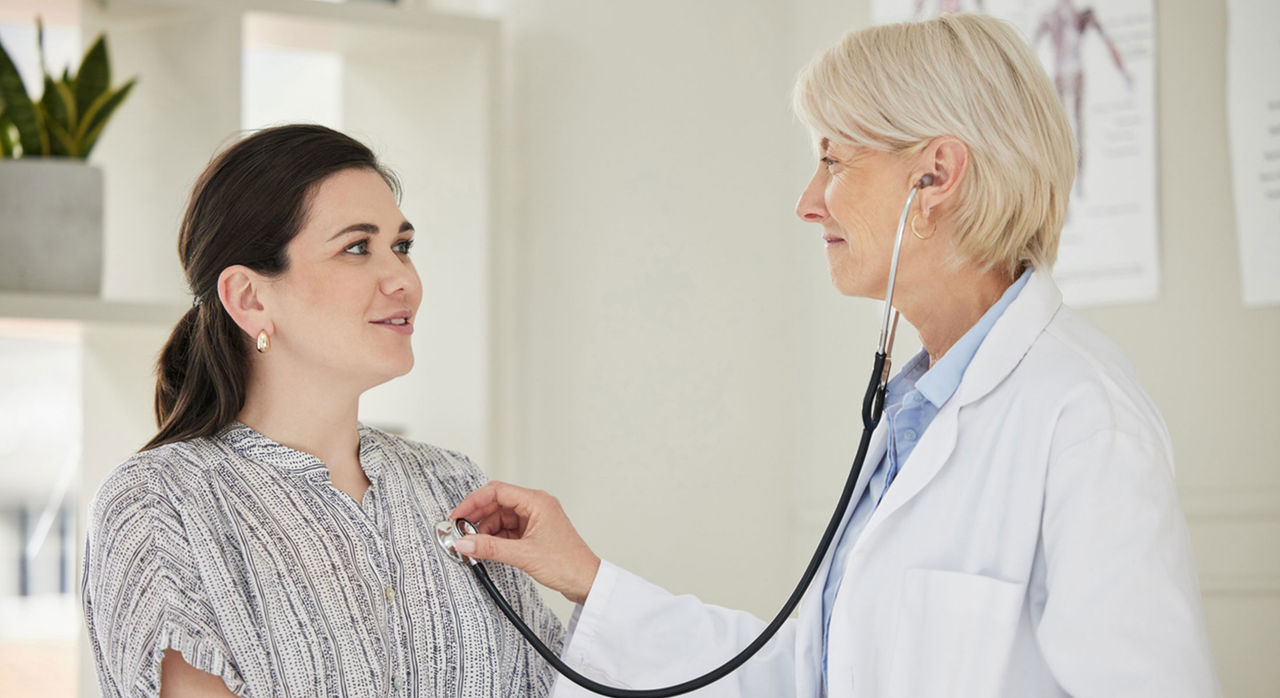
(831, 239)
(397, 322)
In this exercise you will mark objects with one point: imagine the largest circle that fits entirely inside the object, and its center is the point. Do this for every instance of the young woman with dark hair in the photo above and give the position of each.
(265, 542)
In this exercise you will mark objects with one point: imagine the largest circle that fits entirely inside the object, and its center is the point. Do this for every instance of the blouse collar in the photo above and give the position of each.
(251, 444)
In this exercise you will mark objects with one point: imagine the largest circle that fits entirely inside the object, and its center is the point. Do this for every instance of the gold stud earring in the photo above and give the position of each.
(917, 232)
(264, 342)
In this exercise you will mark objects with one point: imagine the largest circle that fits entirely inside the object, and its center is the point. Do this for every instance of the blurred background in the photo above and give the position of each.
(620, 305)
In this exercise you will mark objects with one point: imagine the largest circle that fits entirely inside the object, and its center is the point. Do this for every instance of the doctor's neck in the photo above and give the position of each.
(947, 302)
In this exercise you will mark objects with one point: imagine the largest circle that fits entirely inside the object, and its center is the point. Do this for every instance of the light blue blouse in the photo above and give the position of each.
(912, 400)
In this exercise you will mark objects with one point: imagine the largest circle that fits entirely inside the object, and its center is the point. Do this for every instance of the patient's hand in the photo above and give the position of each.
(528, 529)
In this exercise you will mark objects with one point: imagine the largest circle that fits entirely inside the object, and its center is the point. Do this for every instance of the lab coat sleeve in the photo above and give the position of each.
(1122, 612)
(633, 634)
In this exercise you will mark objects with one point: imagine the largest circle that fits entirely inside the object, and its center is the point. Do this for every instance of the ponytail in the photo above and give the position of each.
(200, 377)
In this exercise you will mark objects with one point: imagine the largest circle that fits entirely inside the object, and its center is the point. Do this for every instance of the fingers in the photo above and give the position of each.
(512, 503)
(478, 504)
(484, 547)
(491, 497)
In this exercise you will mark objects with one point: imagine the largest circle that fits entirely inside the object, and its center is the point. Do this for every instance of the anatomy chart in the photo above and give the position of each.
(1101, 58)
(1253, 93)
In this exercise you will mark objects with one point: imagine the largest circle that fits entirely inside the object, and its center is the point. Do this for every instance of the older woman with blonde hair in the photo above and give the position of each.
(1016, 530)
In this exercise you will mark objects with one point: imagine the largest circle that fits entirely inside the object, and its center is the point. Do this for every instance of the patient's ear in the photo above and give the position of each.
(241, 289)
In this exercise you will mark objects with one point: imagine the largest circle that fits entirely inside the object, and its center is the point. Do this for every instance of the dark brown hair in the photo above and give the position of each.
(246, 207)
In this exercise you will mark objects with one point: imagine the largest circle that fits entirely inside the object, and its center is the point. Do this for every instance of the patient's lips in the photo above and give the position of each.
(399, 322)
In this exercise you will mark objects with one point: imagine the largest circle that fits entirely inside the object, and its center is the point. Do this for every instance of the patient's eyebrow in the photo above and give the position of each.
(368, 228)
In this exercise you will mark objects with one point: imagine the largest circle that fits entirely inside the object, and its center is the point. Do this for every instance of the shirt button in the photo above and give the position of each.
(395, 684)
(391, 593)
(909, 435)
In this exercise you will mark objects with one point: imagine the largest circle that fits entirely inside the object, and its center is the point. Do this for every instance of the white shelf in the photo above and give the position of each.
(391, 15)
(86, 309)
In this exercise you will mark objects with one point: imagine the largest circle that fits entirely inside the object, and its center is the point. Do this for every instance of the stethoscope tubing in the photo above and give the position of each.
(869, 408)
(872, 410)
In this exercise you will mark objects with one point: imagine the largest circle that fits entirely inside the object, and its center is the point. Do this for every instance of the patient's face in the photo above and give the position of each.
(345, 307)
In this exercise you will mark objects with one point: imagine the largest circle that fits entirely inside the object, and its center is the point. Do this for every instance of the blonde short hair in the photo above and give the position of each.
(896, 87)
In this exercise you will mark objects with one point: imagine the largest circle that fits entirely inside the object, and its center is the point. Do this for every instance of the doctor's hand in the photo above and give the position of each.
(528, 529)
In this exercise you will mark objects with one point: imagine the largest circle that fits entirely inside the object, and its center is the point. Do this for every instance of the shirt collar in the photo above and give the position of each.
(251, 444)
(940, 382)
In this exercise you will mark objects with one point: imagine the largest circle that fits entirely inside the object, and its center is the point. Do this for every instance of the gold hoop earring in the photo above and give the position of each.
(917, 232)
(264, 342)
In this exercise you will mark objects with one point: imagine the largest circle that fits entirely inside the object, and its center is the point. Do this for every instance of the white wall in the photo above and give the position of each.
(656, 356)
(686, 381)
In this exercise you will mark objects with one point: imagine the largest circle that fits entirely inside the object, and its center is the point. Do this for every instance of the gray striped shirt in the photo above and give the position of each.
(239, 552)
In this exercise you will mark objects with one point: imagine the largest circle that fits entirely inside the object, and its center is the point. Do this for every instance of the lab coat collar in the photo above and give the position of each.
(1011, 337)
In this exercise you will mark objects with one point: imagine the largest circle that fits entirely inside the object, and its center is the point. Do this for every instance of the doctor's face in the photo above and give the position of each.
(856, 196)
(343, 311)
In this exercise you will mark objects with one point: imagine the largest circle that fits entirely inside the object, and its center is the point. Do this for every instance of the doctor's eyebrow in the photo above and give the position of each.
(369, 229)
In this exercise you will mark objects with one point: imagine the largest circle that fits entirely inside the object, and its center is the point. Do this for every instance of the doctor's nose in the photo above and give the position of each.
(812, 206)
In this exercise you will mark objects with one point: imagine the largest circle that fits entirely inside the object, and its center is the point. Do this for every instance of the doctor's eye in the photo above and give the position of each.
(358, 248)
(403, 246)
(826, 160)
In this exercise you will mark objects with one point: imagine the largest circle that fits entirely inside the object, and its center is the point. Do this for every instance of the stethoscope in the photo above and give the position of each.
(449, 531)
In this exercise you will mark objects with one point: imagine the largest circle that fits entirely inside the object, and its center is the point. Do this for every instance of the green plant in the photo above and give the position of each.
(70, 115)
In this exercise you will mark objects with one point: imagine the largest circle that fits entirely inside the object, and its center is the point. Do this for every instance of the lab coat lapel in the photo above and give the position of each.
(809, 618)
(1005, 345)
(926, 460)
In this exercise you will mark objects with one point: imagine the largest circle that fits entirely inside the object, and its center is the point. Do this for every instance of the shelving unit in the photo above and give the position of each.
(86, 309)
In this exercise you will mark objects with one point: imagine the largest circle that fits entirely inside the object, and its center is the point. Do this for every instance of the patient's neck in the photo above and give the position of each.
(305, 413)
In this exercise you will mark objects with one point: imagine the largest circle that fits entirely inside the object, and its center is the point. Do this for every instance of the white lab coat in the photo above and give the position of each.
(1032, 545)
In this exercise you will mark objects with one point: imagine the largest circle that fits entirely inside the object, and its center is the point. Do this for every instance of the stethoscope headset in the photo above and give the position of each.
(449, 531)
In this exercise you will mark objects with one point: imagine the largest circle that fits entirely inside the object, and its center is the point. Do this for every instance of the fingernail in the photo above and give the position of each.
(464, 546)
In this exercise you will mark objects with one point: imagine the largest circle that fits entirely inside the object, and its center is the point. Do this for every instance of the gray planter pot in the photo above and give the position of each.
(50, 226)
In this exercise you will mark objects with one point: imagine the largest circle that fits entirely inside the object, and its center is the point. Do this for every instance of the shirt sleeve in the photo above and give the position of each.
(633, 634)
(141, 589)
(1122, 613)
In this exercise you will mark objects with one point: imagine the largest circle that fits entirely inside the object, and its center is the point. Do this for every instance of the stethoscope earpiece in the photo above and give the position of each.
(925, 181)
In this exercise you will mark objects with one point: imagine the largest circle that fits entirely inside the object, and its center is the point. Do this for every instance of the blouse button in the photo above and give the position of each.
(391, 593)
(396, 684)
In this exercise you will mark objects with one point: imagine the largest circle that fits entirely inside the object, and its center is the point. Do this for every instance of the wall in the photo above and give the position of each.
(1208, 361)
(656, 357)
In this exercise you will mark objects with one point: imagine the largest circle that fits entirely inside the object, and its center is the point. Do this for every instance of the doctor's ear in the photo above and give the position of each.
(241, 289)
(946, 163)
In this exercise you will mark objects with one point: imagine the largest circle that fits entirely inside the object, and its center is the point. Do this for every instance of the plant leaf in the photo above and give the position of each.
(61, 142)
(69, 99)
(20, 109)
(94, 78)
(96, 118)
(7, 139)
(44, 70)
(57, 115)
(58, 104)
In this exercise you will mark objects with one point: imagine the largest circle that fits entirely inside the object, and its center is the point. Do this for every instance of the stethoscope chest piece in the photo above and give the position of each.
(449, 532)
